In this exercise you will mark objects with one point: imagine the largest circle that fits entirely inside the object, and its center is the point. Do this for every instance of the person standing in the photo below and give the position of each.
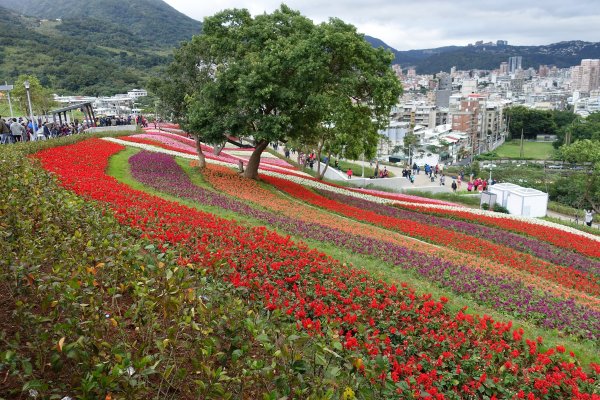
(16, 130)
(589, 217)
(5, 131)
(349, 173)
(454, 186)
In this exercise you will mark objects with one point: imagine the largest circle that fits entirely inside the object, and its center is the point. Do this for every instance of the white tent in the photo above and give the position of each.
(522, 201)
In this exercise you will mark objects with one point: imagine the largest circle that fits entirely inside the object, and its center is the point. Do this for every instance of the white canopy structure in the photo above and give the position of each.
(522, 201)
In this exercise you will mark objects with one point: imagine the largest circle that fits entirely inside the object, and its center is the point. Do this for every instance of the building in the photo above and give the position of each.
(515, 63)
(468, 87)
(119, 104)
(442, 98)
(394, 133)
(503, 68)
(586, 77)
(444, 81)
(418, 113)
(467, 119)
(137, 93)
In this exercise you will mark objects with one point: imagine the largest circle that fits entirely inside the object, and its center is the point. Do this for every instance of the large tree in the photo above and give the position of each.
(578, 129)
(531, 122)
(280, 77)
(586, 152)
(42, 99)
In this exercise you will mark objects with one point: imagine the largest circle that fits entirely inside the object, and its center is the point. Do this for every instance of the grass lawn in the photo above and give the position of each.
(531, 150)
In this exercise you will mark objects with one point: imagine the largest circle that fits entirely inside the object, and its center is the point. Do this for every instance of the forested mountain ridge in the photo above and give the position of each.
(82, 62)
(99, 47)
(429, 61)
(152, 21)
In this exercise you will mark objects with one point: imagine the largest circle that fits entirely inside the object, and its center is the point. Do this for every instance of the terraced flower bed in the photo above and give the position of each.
(178, 302)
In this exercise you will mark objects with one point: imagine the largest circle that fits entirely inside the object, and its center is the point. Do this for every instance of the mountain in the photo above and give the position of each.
(410, 57)
(430, 61)
(98, 47)
(149, 21)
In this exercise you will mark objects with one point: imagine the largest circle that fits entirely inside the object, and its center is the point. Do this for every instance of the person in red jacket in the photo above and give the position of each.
(349, 172)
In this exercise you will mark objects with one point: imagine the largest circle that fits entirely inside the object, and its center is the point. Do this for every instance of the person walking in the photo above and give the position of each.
(589, 217)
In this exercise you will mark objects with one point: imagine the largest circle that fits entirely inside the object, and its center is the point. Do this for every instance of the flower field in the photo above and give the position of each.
(303, 324)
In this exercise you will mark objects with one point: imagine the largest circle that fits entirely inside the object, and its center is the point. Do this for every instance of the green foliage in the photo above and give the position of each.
(76, 60)
(431, 61)
(91, 310)
(466, 199)
(579, 129)
(586, 151)
(143, 21)
(280, 77)
(42, 100)
(531, 122)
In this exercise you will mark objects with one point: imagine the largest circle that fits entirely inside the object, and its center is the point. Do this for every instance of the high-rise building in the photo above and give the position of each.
(514, 64)
(543, 71)
(503, 68)
(586, 77)
(445, 81)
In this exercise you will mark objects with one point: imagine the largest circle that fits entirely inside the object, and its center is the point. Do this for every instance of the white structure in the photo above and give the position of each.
(119, 104)
(135, 93)
(522, 201)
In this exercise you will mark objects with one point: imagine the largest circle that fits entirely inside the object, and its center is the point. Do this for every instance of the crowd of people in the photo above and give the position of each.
(120, 120)
(16, 130)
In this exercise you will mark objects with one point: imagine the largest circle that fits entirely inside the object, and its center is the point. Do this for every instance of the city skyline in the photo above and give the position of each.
(435, 23)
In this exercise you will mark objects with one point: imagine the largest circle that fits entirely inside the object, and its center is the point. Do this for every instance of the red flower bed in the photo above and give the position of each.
(567, 277)
(407, 344)
(552, 235)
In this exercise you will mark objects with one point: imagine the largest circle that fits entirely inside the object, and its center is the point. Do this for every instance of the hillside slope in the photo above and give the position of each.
(149, 20)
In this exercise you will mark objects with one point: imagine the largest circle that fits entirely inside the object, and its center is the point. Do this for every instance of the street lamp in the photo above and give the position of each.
(26, 83)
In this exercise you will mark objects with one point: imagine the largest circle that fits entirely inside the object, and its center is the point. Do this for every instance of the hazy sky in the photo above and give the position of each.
(420, 24)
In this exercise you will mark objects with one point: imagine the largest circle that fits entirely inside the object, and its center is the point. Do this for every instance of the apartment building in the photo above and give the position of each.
(586, 77)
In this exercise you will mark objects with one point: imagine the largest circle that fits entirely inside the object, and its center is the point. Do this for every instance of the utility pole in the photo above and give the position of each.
(521, 143)
(9, 102)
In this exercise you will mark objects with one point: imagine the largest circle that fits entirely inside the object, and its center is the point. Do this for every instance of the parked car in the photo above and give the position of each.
(553, 166)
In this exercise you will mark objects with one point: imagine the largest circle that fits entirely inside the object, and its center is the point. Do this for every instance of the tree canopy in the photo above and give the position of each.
(280, 77)
(587, 152)
(531, 122)
(42, 100)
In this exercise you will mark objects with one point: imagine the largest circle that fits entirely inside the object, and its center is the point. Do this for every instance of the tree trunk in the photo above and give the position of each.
(201, 159)
(217, 149)
(322, 174)
(251, 171)
(319, 149)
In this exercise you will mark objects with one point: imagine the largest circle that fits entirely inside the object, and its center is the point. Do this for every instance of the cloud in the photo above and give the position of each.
(422, 24)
